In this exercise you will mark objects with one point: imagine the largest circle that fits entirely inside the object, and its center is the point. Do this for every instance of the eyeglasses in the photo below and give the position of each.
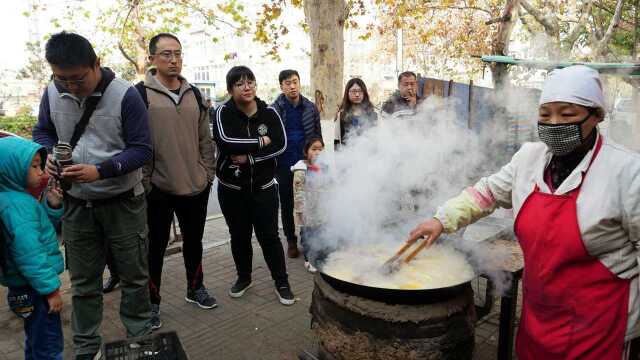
(168, 54)
(249, 84)
(356, 92)
(73, 82)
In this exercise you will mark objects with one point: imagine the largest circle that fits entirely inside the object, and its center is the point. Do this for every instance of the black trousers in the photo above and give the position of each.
(244, 212)
(192, 213)
(284, 176)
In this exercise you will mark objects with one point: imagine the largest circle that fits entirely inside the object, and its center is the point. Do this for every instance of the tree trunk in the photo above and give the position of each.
(325, 19)
(139, 60)
(500, 45)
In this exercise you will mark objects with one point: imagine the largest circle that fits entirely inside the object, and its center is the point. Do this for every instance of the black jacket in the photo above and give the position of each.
(237, 134)
(397, 103)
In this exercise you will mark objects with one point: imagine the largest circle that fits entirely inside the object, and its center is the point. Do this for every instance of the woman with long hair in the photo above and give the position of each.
(356, 113)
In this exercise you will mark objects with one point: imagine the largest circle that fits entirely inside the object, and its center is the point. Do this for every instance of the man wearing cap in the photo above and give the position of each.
(576, 198)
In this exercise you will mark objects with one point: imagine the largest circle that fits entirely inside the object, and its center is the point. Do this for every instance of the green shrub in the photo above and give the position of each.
(20, 125)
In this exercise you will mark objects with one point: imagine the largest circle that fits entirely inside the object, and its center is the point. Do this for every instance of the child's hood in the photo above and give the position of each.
(300, 165)
(16, 155)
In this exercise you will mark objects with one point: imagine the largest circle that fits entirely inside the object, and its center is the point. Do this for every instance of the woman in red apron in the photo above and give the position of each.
(576, 197)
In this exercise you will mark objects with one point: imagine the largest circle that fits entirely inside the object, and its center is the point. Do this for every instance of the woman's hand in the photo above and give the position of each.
(430, 230)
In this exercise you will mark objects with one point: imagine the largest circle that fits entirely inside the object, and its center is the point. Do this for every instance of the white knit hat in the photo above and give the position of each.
(576, 84)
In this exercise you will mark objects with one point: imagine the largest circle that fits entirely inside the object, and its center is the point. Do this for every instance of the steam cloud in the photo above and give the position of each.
(393, 176)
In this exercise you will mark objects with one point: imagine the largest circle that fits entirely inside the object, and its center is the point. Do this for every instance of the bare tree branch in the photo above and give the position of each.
(570, 40)
(124, 53)
(126, 56)
(551, 28)
(525, 23)
(204, 13)
(602, 46)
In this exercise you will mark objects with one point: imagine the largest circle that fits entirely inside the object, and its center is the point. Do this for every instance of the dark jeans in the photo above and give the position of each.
(192, 214)
(245, 211)
(43, 331)
(284, 176)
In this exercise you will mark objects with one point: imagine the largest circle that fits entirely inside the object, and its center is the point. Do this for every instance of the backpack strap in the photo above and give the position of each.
(143, 92)
(198, 95)
(89, 107)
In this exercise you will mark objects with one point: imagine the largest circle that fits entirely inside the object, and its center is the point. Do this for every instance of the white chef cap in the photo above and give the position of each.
(576, 84)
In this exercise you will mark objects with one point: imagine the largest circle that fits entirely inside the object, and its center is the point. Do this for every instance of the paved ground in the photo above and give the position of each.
(253, 327)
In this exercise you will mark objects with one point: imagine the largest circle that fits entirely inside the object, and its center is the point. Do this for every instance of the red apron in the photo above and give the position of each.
(573, 307)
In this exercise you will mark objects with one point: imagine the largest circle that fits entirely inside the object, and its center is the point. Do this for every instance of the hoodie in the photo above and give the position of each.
(33, 257)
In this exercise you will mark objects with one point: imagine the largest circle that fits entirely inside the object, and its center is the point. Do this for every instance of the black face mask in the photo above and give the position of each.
(562, 138)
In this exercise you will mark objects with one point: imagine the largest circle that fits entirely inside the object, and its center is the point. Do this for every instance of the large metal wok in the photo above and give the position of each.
(397, 296)
(400, 296)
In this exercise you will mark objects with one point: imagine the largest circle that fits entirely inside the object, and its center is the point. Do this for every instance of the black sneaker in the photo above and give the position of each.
(285, 295)
(239, 288)
(201, 297)
(111, 284)
(156, 323)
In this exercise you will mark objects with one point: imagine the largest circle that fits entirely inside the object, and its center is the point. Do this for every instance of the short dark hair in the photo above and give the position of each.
(153, 43)
(407, 74)
(238, 73)
(285, 74)
(68, 50)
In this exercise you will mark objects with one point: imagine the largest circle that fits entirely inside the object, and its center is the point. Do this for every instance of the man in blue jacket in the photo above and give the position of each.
(302, 122)
(105, 206)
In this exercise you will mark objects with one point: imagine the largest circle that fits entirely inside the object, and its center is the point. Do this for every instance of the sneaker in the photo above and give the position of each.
(156, 323)
(201, 297)
(111, 284)
(239, 288)
(285, 295)
(310, 268)
(292, 250)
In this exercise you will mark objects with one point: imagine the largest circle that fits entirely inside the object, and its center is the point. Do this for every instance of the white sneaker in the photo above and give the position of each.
(310, 268)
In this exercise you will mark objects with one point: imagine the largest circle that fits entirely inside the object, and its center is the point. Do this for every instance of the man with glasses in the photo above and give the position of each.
(302, 123)
(105, 206)
(179, 177)
(405, 100)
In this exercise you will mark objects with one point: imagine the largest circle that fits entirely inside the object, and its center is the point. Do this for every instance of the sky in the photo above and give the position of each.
(11, 18)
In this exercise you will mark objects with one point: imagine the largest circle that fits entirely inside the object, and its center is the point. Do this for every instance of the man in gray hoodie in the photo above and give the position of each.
(178, 178)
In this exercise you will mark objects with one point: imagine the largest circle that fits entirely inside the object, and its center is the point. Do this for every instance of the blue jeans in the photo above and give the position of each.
(43, 331)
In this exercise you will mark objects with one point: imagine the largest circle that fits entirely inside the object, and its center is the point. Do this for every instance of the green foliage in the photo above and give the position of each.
(20, 124)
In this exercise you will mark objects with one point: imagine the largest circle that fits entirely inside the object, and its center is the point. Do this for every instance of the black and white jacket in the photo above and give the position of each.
(237, 134)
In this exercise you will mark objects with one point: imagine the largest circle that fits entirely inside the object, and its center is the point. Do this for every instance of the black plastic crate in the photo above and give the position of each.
(157, 346)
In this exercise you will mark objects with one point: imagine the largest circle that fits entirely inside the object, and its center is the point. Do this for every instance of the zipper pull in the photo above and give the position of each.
(178, 108)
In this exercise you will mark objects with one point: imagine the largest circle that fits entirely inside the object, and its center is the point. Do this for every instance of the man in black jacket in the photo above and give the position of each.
(302, 123)
(405, 101)
(250, 136)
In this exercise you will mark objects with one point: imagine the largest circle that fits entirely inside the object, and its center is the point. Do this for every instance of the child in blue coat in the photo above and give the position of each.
(31, 260)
